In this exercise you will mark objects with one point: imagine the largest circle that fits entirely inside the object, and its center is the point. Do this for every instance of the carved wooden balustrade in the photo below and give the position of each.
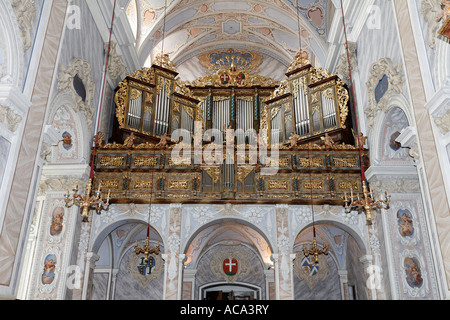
(289, 175)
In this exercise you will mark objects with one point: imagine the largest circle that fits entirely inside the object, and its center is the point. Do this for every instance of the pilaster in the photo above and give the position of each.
(173, 258)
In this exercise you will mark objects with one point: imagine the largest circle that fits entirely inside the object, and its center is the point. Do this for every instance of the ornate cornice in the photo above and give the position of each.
(9, 118)
(439, 108)
(25, 14)
(342, 67)
(430, 11)
(116, 67)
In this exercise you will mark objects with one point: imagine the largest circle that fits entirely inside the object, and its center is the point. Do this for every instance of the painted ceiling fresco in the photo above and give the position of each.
(186, 29)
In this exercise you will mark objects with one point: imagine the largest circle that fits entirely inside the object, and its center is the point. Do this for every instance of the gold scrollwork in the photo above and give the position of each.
(278, 185)
(347, 185)
(179, 162)
(243, 172)
(213, 173)
(314, 162)
(110, 183)
(145, 161)
(111, 161)
(345, 162)
(313, 185)
(143, 184)
(180, 185)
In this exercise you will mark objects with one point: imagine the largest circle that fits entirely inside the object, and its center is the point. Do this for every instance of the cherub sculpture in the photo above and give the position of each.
(99, 139)
(360, 139)
(163, 141)
(129, 141)
(445, 14)
(328, 141)
(293, 139)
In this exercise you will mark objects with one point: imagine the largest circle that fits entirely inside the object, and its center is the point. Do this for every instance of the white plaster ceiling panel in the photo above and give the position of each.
(192, 27)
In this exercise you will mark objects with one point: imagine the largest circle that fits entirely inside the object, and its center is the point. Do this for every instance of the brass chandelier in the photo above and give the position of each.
(314, 250)
(147, 250)
(88, 201)
(368, 202)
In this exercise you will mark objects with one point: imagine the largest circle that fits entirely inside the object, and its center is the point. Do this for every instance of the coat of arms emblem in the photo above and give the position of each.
(230, 266)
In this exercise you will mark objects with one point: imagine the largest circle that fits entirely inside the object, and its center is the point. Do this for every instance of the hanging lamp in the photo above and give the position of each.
(146, 249)
(368, 202)
(314, 250)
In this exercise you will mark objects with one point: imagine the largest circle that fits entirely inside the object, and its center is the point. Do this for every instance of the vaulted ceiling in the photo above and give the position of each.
(268, 30)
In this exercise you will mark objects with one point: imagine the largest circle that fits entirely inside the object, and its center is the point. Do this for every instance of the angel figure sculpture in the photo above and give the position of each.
(163, 141)
(328, 141)
(360, 139)
(445, 14)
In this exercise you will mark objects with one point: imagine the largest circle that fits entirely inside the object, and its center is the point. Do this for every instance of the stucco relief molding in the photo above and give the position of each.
(430, 11)
(9, 118)
(408, 139)
(342, 67)
(60, 184)
(25, 14)
(116, 67)
(13, 107)
(396, 186)
(396, 85)
(65, 83)
(393, 178)
(439, 108)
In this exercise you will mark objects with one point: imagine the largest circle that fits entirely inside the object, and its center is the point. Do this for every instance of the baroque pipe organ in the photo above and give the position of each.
(232, 127)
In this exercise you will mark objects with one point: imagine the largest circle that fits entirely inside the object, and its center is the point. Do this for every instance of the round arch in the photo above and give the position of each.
(376, 138)
(65, 99)
(96, 243)
(364, 245)
(236, 220)
(12, 71)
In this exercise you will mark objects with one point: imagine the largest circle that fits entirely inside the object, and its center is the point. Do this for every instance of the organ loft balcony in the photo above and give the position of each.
(231, 136)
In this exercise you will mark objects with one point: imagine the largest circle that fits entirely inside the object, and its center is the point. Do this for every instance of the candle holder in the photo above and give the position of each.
(147, 251)
(87, 202)
(315, 251)
(367, 204)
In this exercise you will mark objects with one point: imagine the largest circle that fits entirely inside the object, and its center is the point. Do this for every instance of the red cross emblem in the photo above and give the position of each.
(225, 78)
(230, 267)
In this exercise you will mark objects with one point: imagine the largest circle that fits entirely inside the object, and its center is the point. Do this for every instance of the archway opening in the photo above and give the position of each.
(339, 275)
(120, 273)
(227, 260)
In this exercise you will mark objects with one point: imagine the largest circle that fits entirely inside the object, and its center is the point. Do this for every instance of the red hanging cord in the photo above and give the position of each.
(311, 192)
(91, 176)
(150, 208)
(363, 176)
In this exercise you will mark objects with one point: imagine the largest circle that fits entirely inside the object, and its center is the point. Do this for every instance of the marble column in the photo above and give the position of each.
(343, 279)
(270, 280)
(370, 276)
(91, 259)
(112, 284)
(18, 202)
(375, 269)
(188, 284)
